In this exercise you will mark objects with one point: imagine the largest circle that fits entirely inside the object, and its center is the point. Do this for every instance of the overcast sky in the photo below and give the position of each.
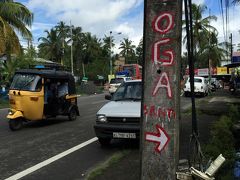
(102, 16)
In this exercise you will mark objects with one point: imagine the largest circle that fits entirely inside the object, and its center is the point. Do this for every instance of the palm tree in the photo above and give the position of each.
(213, 52)
(238, 47)
(201, 26)
(13, 16)
(50, 46)
(77, 40)
(106, 43)
(139, 52)
(127, 50)
(91, 47)
(63, 32)
(7, 70)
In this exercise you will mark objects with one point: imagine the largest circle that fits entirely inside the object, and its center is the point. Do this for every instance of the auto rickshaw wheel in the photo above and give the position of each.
(15, 124)
(72, 116)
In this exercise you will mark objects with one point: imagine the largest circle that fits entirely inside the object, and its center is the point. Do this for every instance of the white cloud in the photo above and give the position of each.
(96, 16)
(233, 26)
(41, 26)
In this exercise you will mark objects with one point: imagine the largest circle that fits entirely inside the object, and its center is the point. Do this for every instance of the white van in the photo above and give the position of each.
(116, 82)
(200, 86)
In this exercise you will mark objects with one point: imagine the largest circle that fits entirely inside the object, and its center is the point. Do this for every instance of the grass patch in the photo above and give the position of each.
(4, 103)
(115, 158)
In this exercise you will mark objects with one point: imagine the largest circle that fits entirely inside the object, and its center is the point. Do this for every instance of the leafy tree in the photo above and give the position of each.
(202, 32)
(128, 50)
(50, 46)
(106, 44)
(13, 16)
(238, 47)
(77, 43)
(139, 52)
(211, 52)
(91, 48)
(63, 31)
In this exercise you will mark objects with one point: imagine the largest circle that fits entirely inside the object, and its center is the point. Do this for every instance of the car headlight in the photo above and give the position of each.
(101, 118)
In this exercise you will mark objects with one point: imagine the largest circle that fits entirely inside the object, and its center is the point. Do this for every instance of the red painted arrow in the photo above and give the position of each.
(161, 138)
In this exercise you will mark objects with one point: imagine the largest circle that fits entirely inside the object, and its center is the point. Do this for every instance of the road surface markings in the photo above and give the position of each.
(50, 160)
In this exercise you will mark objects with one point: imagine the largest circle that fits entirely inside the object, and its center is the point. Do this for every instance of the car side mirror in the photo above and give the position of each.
(108, 97)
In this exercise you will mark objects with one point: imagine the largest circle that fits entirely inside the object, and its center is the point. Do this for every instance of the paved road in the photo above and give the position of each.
(41, 142)
(37, 142)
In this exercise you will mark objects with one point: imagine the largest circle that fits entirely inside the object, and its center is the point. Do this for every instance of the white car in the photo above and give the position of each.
(116, 82)
(200, 86)
(120, 118)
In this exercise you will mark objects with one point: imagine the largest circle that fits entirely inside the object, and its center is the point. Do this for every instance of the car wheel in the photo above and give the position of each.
(15, 124)
(72, 116)
(104, 141)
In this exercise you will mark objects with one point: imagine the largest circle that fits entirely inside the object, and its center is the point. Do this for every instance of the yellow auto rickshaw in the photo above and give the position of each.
(41, 93)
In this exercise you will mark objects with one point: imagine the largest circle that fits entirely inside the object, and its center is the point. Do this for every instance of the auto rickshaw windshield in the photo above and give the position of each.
(26, 82)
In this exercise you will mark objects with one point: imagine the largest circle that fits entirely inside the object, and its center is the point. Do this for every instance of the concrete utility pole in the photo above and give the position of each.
(160, 107)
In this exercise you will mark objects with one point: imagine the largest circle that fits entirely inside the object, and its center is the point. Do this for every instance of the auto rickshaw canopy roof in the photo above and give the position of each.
(58, 75)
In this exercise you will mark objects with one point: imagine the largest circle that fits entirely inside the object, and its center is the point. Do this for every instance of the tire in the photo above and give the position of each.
(72, 116)
(15, 124)
(104, 141)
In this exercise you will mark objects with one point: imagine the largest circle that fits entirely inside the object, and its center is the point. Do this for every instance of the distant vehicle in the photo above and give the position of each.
(200, 86)
(120, 118)
(214, 84)
(116, 82)
(134, 70)
(41, 93)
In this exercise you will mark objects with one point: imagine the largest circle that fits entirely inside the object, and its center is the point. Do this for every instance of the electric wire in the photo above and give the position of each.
(223, 20)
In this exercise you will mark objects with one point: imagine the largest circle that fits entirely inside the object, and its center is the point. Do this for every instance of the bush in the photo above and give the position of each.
(222, 142)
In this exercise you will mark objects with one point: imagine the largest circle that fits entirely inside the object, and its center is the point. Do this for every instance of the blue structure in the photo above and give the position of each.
(236, 57)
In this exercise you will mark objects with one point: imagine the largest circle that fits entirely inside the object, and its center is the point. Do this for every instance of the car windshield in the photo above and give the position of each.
(128, 91)
(116, 81)
(27, 82)
(197, 80)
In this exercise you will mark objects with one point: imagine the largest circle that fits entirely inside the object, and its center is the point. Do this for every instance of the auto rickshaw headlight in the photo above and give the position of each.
(101, 118)
(10, 112)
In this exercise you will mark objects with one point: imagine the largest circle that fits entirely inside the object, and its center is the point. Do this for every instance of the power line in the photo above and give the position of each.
(222, 14)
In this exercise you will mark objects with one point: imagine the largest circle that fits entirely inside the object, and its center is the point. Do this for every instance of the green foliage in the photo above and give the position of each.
(222, 142)
(234, 113)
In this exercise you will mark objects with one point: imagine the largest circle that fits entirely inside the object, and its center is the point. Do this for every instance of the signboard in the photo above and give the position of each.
(203, 72)
(160, 107)
(236, 57)
(222, 70)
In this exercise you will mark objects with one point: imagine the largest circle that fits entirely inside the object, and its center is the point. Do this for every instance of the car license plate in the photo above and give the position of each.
(124, 135)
